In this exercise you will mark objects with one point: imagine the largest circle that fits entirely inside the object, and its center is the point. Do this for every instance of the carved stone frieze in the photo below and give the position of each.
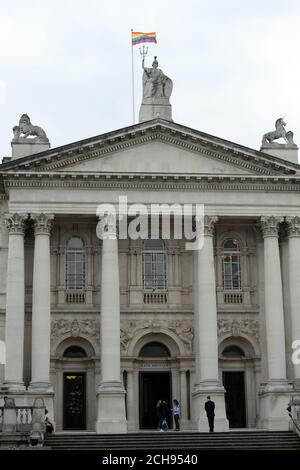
(74, 328)
(238, 327)
(182, 328)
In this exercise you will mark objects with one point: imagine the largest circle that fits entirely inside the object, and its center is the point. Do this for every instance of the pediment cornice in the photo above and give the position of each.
(64, 158)
(149, 182)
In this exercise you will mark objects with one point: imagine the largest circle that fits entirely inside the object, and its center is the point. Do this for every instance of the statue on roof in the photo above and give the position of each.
(25, 130)
(279, 132)
(157, 89)
(155, 83)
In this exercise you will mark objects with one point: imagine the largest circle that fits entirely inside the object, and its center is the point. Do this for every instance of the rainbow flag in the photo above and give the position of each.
(137, 38)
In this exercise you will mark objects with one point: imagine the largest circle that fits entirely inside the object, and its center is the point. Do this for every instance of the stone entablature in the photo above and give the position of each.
(146, 181)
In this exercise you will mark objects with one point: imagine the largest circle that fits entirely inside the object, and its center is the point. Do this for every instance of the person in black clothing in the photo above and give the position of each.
(159, 414)
(165, 415)
(210, 413)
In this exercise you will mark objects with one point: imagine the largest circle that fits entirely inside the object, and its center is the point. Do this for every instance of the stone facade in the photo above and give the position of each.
(250, 198)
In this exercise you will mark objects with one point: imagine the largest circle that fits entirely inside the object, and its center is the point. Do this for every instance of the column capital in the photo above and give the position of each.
(269, 225)
(42, 223)
(15, 223)
(293, 226)
(209, 225)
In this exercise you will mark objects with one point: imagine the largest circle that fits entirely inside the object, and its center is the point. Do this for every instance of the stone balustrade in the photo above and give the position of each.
(22, 419)
(294, 412)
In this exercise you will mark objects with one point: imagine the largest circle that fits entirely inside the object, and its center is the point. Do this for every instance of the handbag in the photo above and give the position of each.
(164, 424)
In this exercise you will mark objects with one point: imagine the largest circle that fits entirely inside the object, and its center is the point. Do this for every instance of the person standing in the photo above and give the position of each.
(210, 413)
(159, 414)
(176, 414)
(165, 416)
(48, 423)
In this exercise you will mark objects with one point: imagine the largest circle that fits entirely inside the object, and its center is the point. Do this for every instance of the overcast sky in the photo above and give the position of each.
(67, 63)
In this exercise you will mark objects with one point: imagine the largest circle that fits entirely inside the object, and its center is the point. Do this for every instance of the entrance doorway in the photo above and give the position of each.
(153, 386)
(74, 401)
(234, 384)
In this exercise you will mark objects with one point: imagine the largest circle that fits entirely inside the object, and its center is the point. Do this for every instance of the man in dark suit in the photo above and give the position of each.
(210, 413)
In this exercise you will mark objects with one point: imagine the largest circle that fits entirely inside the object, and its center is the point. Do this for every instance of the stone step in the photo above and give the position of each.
(168, 440)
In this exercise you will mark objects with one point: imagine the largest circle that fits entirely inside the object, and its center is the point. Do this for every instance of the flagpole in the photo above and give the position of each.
(132, 74)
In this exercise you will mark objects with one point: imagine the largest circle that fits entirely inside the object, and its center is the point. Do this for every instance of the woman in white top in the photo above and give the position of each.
(176, 414)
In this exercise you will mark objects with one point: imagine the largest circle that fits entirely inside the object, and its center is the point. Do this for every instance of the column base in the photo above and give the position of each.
(185, 424)
(273, 402)
(14, 386)
(131, 426)
(43, 387)
(199, 397)
(296, 385)
(111, 409)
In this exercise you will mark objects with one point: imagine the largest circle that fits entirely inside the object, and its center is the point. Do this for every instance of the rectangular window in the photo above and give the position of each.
(154, 271)
(75, 270)
(231, 272)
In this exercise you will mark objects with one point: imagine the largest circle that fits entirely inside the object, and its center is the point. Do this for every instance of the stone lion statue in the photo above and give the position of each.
(26, 129)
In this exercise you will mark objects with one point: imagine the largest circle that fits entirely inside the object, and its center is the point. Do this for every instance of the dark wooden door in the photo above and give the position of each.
(153, 386)
(74, 401)
(234, 384)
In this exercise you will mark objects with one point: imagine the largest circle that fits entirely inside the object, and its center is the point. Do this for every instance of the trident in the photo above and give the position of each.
(143, 53)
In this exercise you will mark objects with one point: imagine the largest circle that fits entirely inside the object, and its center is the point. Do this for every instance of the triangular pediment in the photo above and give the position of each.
(157, 157)
(155, 147)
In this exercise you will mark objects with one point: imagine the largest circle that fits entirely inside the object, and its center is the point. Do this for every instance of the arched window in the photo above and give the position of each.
(154, 265)
(74, 352)
(233, 351)
(155, 349)
(231, 265)
(75, 264)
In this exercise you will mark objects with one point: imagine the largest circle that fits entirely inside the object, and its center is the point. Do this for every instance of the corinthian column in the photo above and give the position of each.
(273, 301)
(15, 302)
(294, 284)
(274, 395)
(111, 394)
(206, 333)
(41, 303)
